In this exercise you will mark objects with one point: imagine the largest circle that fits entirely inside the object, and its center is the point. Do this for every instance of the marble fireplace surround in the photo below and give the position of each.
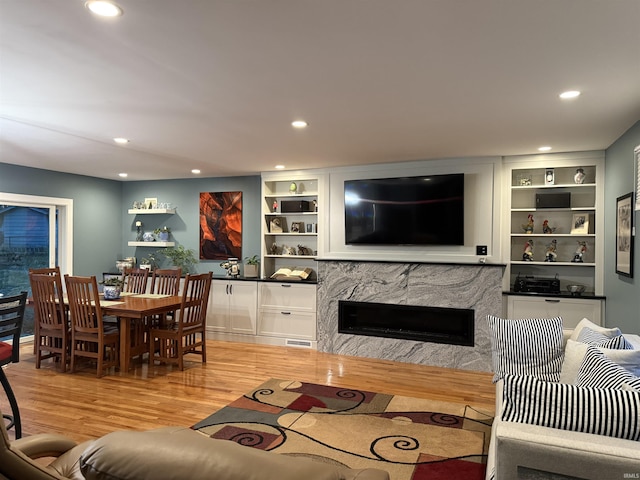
(478, 287)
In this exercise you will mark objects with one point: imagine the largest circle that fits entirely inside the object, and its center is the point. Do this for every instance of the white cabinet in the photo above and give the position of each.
(288, 311)
(233, 307)
(292, 212)
(572, 310)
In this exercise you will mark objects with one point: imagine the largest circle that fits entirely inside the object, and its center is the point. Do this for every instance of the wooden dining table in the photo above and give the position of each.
(131, 307)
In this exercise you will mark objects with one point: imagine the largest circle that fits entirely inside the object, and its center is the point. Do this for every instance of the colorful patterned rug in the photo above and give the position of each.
(411, 438)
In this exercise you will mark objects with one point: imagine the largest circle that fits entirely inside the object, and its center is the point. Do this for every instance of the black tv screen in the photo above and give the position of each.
(426, 210)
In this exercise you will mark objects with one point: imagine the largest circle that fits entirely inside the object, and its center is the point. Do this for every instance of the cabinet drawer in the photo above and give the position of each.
(287, 324)
(288, 295)
(572, 310)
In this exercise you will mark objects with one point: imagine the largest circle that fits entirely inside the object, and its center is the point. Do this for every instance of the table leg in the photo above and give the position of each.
(125, 343)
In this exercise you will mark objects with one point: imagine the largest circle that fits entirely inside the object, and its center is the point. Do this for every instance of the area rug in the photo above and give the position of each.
(411, 438)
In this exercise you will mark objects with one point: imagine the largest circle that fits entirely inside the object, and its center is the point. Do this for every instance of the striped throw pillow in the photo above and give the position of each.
(532, 346)
(597, 339)
(598, 371)
(610, 412)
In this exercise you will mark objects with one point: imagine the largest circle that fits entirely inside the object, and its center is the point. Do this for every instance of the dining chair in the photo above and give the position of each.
(135, 280)
(90, 336)
(53, 336)
(42, 271)
(170, 343)
(11, 318)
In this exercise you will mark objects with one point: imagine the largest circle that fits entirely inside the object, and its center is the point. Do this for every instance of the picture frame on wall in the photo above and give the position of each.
(636, 163)
(624, 235)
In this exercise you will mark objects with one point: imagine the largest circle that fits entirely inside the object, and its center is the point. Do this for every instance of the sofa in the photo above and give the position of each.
(171, 453)
(567, 406)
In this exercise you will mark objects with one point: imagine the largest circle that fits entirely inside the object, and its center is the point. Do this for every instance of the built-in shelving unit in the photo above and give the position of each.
(151, 211)
(290, 235)
(532, 195)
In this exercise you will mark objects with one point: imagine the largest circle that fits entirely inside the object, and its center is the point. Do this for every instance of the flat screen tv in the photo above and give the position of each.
(426, 210)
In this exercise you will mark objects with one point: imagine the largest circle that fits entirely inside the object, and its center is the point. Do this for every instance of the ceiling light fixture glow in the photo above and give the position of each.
(299, 124)
(123, 175)
(121, 140)
(279, 167)
(569, 94)
(104, 8)
(544, 149)
(195, 171)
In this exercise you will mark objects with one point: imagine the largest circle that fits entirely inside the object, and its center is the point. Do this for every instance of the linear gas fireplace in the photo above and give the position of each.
(453, 326)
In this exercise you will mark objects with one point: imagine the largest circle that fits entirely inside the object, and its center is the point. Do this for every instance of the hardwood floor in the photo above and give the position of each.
(82, 406)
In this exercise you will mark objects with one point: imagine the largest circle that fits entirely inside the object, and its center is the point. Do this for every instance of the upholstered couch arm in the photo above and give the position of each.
(179, 453)
(573, 454)
(43, 445)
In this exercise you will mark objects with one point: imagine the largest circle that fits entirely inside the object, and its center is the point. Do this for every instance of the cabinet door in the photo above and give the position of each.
(287, 324)
(289, 295)
(572, 310)
(243, 304)
(218, 308)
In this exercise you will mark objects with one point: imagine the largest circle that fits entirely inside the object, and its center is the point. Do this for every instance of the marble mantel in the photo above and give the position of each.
(478, 287)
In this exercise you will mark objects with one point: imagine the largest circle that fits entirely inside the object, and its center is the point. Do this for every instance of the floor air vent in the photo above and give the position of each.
(297, 343)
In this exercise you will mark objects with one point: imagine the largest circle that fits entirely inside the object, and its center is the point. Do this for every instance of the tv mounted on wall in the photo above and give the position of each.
(424, 210)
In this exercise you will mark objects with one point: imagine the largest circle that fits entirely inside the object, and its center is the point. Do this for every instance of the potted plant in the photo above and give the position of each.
(180, 257)
(251, 266)
(112, 287)
(149, 262)
(162, 233)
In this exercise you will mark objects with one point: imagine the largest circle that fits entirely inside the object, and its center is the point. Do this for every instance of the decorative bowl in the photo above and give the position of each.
(575, 290)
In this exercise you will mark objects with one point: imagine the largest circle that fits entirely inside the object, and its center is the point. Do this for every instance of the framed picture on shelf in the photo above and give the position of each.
(580, 224)
(297, 227)
(624, 235)
(278, 225)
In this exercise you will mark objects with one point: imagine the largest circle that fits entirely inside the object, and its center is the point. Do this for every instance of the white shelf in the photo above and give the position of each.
(550, 235)
(293, 234)
(288, 195)
(564, 185)
(550, 264)
(151, 211)
(290, 256)
(568, 209)
(152, 244)
(288, 214)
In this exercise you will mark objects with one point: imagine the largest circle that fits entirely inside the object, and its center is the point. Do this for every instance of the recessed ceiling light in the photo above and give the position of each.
(299, 124)
(569, 94)
(104, 8)
(544, 149)
(121, 140)
(123, 175)
(279, 167)
(195, 171)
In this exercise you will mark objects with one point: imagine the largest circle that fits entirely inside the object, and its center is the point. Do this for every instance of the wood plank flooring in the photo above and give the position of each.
(82, 406)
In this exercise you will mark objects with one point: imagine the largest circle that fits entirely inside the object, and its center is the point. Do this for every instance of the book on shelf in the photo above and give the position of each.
(292, 273)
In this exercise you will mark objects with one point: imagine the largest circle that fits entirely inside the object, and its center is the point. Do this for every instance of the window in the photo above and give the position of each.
(35, 232)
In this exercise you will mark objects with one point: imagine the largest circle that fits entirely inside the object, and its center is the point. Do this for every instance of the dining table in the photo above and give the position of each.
(131, 307)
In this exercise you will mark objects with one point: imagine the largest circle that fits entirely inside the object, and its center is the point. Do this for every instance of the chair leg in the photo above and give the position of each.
(13, 403)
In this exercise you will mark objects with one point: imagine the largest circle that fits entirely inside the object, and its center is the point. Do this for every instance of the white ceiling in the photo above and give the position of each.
(214, 84)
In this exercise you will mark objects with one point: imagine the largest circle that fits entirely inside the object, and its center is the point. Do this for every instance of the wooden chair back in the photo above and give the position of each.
(166, 281)
(11, 317)
(45, 271)
(195, 298)
(136, 280)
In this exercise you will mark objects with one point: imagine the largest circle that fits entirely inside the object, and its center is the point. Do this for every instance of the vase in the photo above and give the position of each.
(163, 236)
(250, 271)
(111, 292)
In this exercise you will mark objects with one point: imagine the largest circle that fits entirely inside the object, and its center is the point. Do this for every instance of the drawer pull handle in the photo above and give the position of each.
(551, 300)
(285, 286)
(285, 313)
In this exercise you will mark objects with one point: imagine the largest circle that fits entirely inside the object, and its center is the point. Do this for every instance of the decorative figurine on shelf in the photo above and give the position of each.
(527, 255)
(580, 251)
(579, 176)
(546, 228)
(528, 227)
(139, 236)
(275, 206)
(293, 188)
(231, 266)
(302, 250)
(274, 249)
(551, 254)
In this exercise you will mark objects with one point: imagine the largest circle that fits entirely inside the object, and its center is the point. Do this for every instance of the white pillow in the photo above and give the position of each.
(597, 339)
(597, 371)
(574, 354)
(531, 346)
(585, 322)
